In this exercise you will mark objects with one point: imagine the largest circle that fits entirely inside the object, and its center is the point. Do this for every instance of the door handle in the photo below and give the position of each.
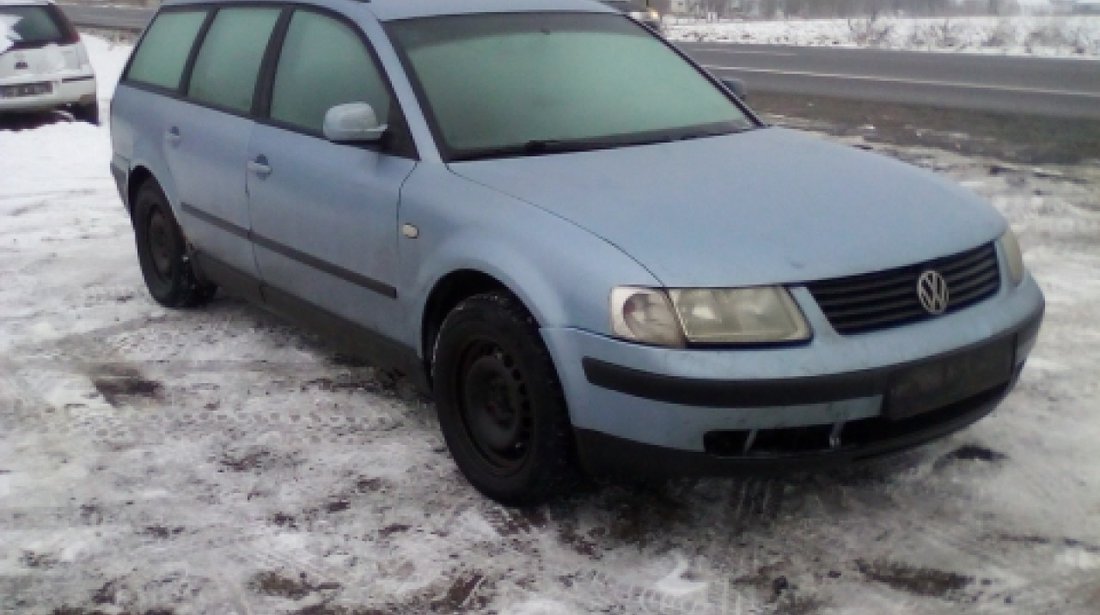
(259, 166)
(172, 136)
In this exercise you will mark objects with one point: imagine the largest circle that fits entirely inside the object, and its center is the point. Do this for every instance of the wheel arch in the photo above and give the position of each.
(450, 290)
(138, 176)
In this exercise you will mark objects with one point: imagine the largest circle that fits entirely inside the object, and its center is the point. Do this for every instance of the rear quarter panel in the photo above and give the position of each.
(139, 119)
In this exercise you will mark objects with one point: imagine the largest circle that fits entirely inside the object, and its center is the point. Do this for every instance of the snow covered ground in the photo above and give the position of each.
(217, 461)
(1065, 36)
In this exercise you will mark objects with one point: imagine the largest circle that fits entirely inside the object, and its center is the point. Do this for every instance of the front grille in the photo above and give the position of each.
(889, 298)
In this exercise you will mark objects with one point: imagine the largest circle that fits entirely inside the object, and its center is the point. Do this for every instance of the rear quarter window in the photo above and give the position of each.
(160, 58)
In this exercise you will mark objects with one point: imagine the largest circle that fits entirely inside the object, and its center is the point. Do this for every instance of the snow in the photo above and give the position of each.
(1038, 35)
(219, 461)
(108, 60)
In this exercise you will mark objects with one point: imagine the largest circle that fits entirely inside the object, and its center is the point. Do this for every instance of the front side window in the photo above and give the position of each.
(162, 54)
(229, 61)
(529, 83)
(323, 63)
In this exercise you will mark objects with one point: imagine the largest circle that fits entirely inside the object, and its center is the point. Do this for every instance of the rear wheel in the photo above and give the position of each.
(500, 405)
(162, 252)
(87, 112)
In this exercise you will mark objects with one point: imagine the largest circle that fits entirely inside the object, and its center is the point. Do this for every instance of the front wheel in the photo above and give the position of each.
(162, 252)
(500, 404)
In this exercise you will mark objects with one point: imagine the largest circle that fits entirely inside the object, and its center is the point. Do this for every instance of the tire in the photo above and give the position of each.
(500, 405)
(162, 252)
(87, 113)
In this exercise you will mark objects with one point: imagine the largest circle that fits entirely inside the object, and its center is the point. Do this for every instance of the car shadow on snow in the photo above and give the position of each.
(16, 122)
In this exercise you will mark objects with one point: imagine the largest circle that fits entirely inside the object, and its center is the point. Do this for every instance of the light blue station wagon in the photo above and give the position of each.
(586, 247)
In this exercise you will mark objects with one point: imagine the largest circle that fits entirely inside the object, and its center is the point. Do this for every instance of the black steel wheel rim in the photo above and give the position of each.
(161, 244)
(495, 405)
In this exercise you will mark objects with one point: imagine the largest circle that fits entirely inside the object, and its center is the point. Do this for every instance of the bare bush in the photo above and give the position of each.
(870, 31)
(1003, 35)
(1083, 42)
(1048, 34)
(945, 34)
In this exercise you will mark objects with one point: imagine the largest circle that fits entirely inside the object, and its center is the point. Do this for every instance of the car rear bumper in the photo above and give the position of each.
(65, 90)
(702, 412)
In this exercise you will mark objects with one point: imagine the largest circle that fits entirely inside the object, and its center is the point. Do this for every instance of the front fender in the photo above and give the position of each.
(562, 273)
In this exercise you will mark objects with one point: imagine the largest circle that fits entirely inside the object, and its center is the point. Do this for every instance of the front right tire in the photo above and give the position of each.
(88, 112)
(500, 405)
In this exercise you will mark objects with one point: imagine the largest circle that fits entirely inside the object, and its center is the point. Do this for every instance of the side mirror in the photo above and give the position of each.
(736, 86)
(353, 123)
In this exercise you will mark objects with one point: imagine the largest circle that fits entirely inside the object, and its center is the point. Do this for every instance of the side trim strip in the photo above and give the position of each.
(289, 252)
(325, 266)
(734, 393)
(75, 79)
(212, 220)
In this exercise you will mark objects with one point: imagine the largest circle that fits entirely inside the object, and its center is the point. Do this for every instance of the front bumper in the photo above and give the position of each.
(652, 411)
(67, 89)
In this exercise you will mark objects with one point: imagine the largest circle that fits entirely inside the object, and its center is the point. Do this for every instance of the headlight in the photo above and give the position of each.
(1014, 257)
(758, 315)
(739, 315)
(645, 315)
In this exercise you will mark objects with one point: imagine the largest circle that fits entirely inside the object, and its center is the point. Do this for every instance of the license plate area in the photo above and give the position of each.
(944, 381)
(25, 89)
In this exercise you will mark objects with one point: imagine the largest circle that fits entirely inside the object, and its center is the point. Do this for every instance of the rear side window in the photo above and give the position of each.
(227, 65)
(323, 64)
(27, 27)
(162, 55)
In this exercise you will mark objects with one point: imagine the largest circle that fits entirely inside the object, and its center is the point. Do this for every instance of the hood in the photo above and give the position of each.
(769, 206)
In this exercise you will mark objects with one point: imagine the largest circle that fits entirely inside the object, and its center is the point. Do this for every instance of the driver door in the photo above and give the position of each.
(324, 214)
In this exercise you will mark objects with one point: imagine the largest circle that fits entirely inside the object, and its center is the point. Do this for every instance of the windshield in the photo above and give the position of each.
(23, 27)
(527, 84)
(624, 6)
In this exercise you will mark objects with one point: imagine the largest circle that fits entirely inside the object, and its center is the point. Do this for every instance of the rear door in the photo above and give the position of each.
(206, 139)
(324, 215)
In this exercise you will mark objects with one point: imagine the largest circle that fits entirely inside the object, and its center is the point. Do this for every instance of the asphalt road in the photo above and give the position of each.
(1043, 86)
(1040, 86)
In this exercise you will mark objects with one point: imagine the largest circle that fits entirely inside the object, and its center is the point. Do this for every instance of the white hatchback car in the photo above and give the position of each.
(43, 63)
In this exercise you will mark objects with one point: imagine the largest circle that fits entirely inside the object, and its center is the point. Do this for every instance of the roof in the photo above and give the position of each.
(389, 10)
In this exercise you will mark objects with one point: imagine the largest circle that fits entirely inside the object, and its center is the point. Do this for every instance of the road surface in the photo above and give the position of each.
(1043, 86)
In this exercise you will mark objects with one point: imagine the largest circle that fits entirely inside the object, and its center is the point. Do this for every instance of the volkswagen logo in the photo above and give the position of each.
(933, 293)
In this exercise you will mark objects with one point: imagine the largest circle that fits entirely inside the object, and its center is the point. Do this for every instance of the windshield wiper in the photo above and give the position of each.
(537, 147)
(550, 146)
